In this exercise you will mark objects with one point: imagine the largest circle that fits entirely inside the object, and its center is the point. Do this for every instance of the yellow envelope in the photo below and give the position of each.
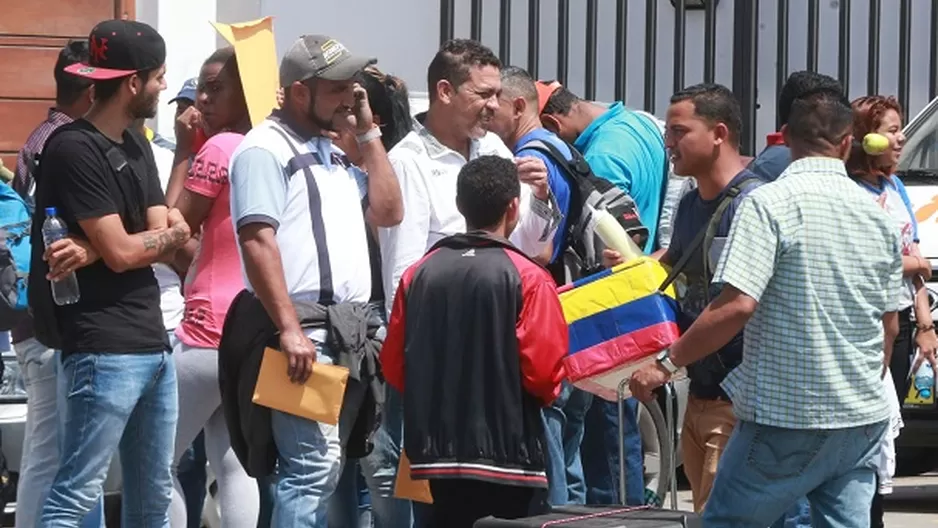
(408, 488)
(257, 62)
(319, 399)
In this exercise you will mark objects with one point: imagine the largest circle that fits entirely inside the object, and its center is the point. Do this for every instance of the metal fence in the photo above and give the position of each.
(748, 72)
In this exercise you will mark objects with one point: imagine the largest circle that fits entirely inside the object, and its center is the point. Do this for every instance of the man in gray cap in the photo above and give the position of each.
(296, 203)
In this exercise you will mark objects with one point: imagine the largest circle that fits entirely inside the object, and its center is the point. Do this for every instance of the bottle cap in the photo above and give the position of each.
(50, 211)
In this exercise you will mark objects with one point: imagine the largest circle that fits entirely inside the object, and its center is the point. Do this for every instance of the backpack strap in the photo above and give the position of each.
(709, 231)
(304, 162)
(572, 172)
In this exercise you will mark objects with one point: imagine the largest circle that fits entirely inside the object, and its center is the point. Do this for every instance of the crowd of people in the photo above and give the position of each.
(424, 253)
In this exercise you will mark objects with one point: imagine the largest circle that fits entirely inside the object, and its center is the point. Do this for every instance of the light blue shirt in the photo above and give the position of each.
(824, 263)
(627, 149)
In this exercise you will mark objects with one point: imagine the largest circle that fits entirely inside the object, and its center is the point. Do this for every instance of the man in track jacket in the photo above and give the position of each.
(475, 344)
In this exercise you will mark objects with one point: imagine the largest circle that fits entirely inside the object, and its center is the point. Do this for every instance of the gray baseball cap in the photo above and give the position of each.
(321, 57)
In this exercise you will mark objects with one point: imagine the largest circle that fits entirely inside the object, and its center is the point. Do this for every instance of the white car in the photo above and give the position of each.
(918, 168)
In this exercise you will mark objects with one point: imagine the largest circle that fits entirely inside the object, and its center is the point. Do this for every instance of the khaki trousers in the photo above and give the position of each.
(708, 425)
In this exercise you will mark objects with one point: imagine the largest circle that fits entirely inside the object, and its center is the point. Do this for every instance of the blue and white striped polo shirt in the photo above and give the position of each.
(311, 196)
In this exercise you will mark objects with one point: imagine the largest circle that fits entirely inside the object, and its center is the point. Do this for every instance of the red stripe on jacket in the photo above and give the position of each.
(543, 341)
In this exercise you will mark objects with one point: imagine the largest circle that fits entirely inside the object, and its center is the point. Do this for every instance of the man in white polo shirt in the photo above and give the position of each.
(464, 83)
(296, 205)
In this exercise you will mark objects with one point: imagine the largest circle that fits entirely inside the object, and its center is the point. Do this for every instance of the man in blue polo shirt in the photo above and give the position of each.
(516, 122)
(775, 158)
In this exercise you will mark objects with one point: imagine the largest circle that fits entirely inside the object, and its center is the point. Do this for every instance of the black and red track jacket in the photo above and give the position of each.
(476, 344)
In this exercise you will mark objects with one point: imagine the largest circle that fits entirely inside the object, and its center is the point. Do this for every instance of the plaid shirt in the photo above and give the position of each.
(25, 162)
(824, 263)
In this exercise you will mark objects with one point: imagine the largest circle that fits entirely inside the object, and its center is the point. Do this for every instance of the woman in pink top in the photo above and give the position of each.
(213, 280)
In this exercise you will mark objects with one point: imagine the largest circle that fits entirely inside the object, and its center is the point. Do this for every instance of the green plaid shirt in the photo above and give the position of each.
(824, 263)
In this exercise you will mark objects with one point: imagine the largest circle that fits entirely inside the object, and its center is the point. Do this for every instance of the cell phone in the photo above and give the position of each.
(200, 139)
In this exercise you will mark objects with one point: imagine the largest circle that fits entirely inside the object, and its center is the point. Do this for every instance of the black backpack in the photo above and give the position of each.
(582, 248)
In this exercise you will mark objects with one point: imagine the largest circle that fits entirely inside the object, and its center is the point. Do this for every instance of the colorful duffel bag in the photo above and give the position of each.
(618, 321)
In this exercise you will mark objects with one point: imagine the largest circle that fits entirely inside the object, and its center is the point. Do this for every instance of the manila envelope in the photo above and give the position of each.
(407, 488)
(319, 399)
(254, 46)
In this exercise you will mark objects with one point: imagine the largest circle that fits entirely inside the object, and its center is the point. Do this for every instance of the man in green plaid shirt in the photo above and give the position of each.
(812, 265)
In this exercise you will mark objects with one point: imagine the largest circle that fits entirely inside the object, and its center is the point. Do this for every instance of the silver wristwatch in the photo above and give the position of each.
(664, 359)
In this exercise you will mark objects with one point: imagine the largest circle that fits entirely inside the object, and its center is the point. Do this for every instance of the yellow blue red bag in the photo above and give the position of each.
(618, 320)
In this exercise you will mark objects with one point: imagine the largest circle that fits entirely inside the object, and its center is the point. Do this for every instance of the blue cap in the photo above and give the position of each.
(50, 211)
(188, 91)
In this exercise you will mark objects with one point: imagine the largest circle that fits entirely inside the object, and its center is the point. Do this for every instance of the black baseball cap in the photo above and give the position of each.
(119, 48)
(322, 57)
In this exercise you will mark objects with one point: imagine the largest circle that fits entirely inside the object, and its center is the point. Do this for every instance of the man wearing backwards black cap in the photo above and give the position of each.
(296, 205)
(101, 178)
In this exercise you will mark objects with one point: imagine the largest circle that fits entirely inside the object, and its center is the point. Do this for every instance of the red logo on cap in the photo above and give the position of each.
(98, 49)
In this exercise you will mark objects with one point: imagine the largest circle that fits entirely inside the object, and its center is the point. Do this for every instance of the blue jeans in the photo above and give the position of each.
(193, 479)
(797, 516)
(116, 402)
(380, 472)
(308, 465)
(563, 427)
(764, 470)
(600, 453)
(45, 420)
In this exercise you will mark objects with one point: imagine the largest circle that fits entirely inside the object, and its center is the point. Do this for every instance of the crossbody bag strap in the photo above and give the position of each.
(326, 291)
(707, 232)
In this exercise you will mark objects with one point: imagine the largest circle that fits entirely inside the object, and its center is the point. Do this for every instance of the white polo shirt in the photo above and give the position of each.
(427, 172)
(309, 193)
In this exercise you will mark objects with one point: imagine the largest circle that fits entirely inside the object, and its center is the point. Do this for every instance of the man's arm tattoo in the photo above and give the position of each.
(167, 241)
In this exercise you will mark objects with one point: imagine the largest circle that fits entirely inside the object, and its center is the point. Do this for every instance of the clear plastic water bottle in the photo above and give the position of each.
(65, 290)
(924, 381)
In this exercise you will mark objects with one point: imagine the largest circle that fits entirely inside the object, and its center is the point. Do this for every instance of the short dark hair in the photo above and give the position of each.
(715, 103)
(561, 101)
(68, 87)
(517, 82)
(820, 121)
(801, 84)
(105, 90)
(229, 61)
(454, 60)
(484, 188)
(226, 57)
(390, 103)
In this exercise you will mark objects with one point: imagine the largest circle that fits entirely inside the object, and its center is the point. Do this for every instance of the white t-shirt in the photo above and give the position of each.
(172, 303)
(891, 201)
